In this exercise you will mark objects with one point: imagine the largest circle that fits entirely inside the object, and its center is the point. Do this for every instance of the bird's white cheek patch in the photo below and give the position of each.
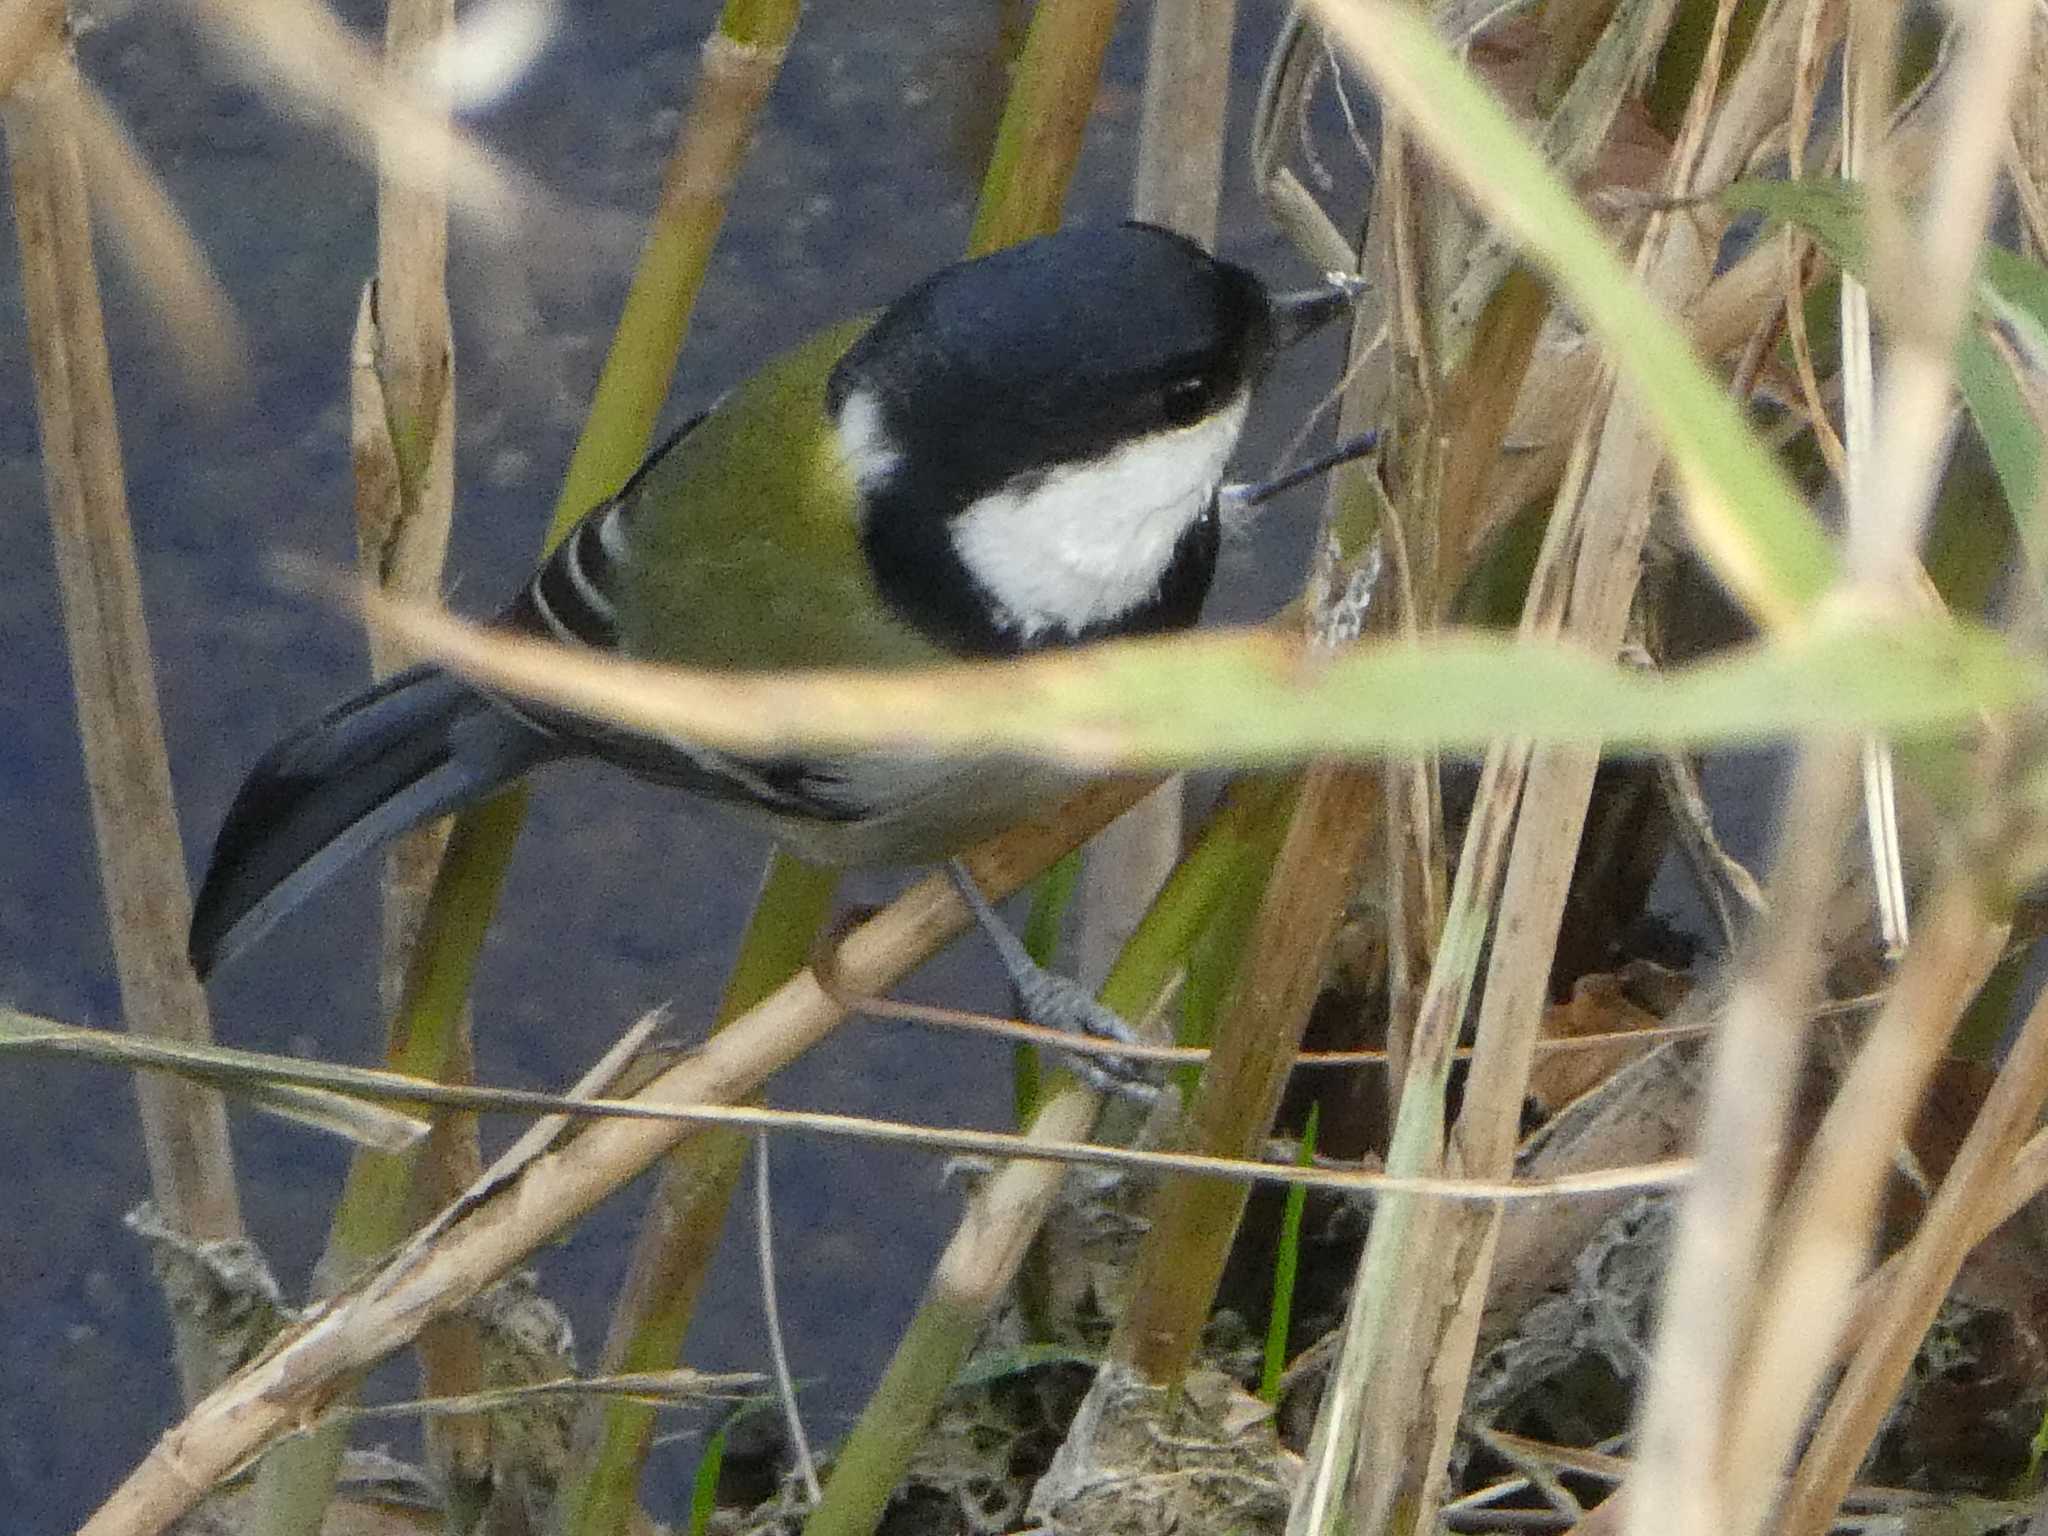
(870, 453)
(1087, 544)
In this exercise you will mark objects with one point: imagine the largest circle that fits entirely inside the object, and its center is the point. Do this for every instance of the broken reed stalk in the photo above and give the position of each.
(403, 446)
(121, 732)
(402, 433)
(305, 1368)
(402, 449)
(1179, 184)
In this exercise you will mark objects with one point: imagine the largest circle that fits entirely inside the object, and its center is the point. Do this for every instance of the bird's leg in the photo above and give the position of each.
(1057, 1002)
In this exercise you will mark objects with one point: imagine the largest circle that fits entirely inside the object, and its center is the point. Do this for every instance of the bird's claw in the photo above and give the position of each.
(1058, 1002)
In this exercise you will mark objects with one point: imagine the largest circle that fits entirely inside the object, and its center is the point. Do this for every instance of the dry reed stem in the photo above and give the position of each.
(1313, 879)
(1925, 310)
(1970, 1201)
(128, 778)
(1368, 1413)
(451, 1349)
(1867, 65)
(1615, 515)
(1292, 70)
(1179, 180)
(1821, 28)
(402, 440)
(1408, 596)
(1711, 1273)
(1362, 1415)
(1824, 1228)
(1459, 439)
(1179, 183)
(301, 1372)
(27, 28)
(2027, 162)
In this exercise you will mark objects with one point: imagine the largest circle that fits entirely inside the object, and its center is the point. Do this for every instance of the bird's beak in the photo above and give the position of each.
(1296, 315)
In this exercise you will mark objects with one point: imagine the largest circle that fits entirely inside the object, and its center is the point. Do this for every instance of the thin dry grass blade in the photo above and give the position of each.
(1266, 697)
(358, 1087)
(321, 69)
(1711, 1275)
(340, 1114)
(159, 249)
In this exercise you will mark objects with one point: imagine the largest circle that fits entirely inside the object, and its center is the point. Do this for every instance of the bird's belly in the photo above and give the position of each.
(898, 810)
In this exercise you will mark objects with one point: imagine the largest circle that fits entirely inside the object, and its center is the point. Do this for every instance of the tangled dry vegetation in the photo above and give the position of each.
(1709, 363)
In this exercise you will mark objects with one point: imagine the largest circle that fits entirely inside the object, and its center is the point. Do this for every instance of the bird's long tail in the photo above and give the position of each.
(417, 745)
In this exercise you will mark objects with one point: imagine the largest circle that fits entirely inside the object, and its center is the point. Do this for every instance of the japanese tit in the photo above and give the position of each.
(1023, 451)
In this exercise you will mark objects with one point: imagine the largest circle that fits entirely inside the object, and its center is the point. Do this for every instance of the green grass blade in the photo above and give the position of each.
(1286, 1265)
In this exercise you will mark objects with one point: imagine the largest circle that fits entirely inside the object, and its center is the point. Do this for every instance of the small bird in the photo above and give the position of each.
(1023, 451)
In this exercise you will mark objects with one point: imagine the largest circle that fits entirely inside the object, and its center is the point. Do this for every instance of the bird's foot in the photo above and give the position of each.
(1057, 1002)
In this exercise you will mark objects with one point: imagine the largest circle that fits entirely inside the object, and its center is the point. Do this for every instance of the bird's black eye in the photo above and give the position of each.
(1187, 399)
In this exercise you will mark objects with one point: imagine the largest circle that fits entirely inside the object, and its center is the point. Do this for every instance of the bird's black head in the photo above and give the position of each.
(1057, 350)
(1038, 435)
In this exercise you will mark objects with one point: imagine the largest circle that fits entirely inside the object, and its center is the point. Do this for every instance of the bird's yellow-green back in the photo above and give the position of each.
(745, 540)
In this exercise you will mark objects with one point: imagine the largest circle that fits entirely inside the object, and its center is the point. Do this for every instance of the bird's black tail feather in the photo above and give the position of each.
(417, 745)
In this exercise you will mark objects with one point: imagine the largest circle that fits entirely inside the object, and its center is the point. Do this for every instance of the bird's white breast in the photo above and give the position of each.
(1085, 544)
